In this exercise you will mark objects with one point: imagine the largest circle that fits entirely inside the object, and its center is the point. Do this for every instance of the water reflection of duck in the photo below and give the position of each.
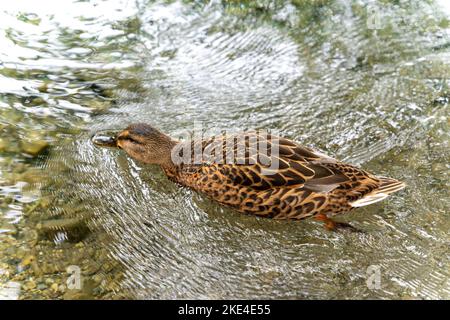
(257, 173)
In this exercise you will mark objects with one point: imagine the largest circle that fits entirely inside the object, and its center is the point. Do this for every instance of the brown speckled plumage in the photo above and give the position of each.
(306, 182)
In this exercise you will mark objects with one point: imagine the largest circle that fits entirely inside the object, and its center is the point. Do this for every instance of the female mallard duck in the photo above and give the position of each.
(304, 183)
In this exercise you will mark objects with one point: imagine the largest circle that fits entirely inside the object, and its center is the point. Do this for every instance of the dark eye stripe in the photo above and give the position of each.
(128, 138)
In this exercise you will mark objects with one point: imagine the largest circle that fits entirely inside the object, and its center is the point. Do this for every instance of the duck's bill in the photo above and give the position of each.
(105, 139)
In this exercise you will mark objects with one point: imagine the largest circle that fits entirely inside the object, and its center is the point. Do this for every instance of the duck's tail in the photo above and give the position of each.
(385, 188)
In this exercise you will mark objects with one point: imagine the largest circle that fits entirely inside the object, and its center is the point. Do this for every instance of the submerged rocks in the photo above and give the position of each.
(33, 144)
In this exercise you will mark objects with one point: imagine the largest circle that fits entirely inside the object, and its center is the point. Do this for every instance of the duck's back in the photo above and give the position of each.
(274, 177)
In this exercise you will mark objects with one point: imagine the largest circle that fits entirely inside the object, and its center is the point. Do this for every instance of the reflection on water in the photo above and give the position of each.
(365, 82)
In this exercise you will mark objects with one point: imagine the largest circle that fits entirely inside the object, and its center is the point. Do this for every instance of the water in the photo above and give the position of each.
(368, 87)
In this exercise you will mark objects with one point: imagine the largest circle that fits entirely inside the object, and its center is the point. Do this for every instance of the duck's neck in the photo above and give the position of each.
(170, 169)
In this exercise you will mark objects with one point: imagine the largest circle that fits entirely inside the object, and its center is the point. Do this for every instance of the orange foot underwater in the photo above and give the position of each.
(332, 225)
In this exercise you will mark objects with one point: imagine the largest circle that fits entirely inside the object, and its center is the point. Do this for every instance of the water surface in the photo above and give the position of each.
(363, 81)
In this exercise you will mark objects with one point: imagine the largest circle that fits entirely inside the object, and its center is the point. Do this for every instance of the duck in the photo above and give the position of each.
(257, 173)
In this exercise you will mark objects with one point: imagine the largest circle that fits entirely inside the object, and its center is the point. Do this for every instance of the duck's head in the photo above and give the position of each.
(141, 142)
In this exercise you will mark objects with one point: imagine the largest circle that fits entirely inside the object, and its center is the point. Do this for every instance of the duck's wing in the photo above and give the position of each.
(264, 161)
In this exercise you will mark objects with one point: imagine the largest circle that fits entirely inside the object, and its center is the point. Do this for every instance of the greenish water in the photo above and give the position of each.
(368, 87)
